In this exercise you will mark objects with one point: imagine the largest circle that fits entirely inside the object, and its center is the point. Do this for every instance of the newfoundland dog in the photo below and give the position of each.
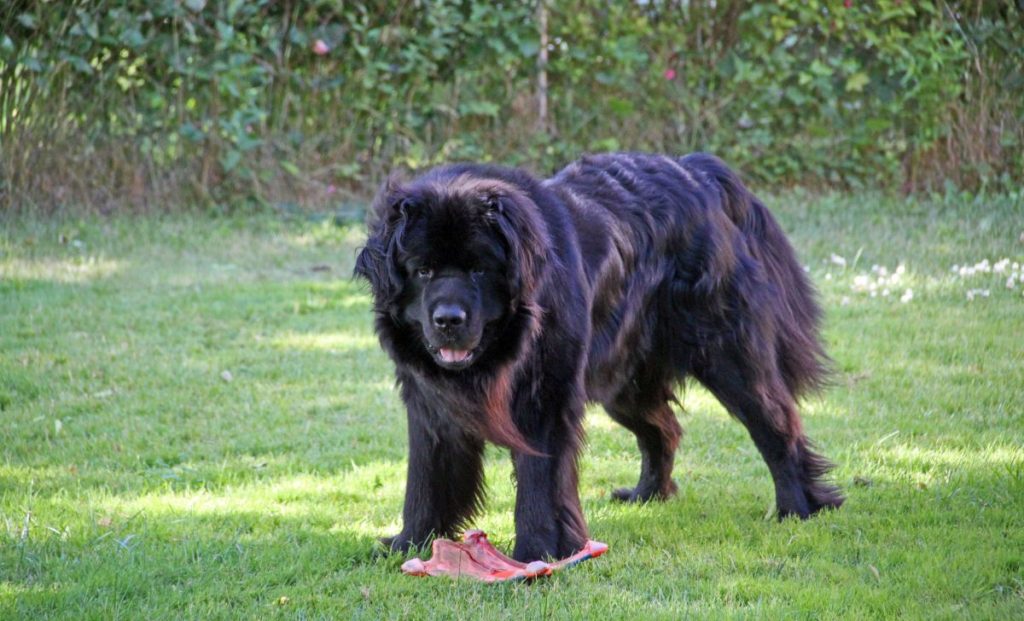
(508, 302)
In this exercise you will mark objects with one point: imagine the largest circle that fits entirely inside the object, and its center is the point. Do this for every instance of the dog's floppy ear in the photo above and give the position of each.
(389, 205)
(517, 220)
(385, 224)
(492, 201)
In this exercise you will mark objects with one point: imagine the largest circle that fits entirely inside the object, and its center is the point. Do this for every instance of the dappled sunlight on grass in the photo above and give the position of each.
(695, 399)
(979, 478)
(997, 459)
(354, 301)
(14, 476)
(327, 233)
(373, 490)
(598, 419)
(79, 269)
(324, 341)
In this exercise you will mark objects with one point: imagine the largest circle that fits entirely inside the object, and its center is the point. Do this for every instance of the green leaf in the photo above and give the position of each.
(606, 144)
(877, 124)
(479, 108)
(247, 143)
(820, 69)
(233, 7)
(225, 31)
(529, 47)
(796, 95)
(91, 28)
(192, 133)
(80, 64)
(621, 107)
(231, 160)
(291, 169)
(132, 38)
(195, 5)
(27, 20)
(857, 82)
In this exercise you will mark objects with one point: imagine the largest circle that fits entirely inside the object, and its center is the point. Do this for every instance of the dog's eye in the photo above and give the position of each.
(424, 272)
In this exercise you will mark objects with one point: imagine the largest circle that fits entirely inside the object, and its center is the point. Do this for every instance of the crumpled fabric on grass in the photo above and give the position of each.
(475, 557)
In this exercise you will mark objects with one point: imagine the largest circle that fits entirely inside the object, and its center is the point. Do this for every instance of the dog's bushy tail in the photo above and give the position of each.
(802, 359)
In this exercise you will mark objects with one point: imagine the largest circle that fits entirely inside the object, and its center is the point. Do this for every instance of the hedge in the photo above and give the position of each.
(131, 104)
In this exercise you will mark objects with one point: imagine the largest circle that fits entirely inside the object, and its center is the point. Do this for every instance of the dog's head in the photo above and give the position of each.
(450, 257)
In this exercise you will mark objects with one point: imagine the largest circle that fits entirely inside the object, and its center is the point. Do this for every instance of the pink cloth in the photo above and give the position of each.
(476, 558)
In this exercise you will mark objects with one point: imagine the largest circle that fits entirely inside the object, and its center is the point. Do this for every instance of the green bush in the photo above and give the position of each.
(126, 104)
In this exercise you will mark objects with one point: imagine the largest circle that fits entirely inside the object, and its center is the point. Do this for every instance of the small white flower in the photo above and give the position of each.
(955, 269)
(875, 268)
(838, 260)
(1001, 266)
(1011, 282)
(845, 301)
(907, 296)
(900, 269)
(885, 293)
(860, 281)
(828, 276)
(874, 294)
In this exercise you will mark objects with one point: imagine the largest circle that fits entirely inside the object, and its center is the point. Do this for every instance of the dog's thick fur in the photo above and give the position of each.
(507, 303)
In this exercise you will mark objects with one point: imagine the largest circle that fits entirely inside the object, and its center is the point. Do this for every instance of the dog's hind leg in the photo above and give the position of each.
(757, 395)
(657, 435)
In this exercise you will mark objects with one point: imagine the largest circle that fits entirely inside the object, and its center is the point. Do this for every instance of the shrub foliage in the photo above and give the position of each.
(130, 103)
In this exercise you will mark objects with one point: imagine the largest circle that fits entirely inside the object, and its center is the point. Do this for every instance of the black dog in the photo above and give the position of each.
(507, 302)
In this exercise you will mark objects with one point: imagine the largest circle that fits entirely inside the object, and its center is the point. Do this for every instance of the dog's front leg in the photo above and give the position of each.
(444, 484)
(548, 516)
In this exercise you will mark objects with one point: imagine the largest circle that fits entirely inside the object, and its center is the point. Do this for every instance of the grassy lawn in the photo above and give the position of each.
(196, 422)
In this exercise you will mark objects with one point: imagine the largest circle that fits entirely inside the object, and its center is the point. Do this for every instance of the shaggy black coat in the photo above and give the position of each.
(507, 303)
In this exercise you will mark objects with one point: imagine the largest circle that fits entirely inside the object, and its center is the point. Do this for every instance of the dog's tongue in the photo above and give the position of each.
(453, 355)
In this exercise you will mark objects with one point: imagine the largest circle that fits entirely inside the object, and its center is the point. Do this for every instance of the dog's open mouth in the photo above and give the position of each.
(454, 355)
(453, 359)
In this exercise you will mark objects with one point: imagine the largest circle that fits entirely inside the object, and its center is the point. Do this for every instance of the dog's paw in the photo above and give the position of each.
(639, 494)
(398, 544)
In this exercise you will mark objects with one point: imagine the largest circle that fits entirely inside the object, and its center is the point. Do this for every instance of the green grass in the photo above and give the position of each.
(196, 423)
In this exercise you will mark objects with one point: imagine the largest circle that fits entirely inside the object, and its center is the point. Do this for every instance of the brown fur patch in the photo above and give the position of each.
(468, 186)
(498, 424)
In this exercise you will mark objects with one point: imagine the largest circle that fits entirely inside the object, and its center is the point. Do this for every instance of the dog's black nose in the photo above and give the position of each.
(448, 316)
